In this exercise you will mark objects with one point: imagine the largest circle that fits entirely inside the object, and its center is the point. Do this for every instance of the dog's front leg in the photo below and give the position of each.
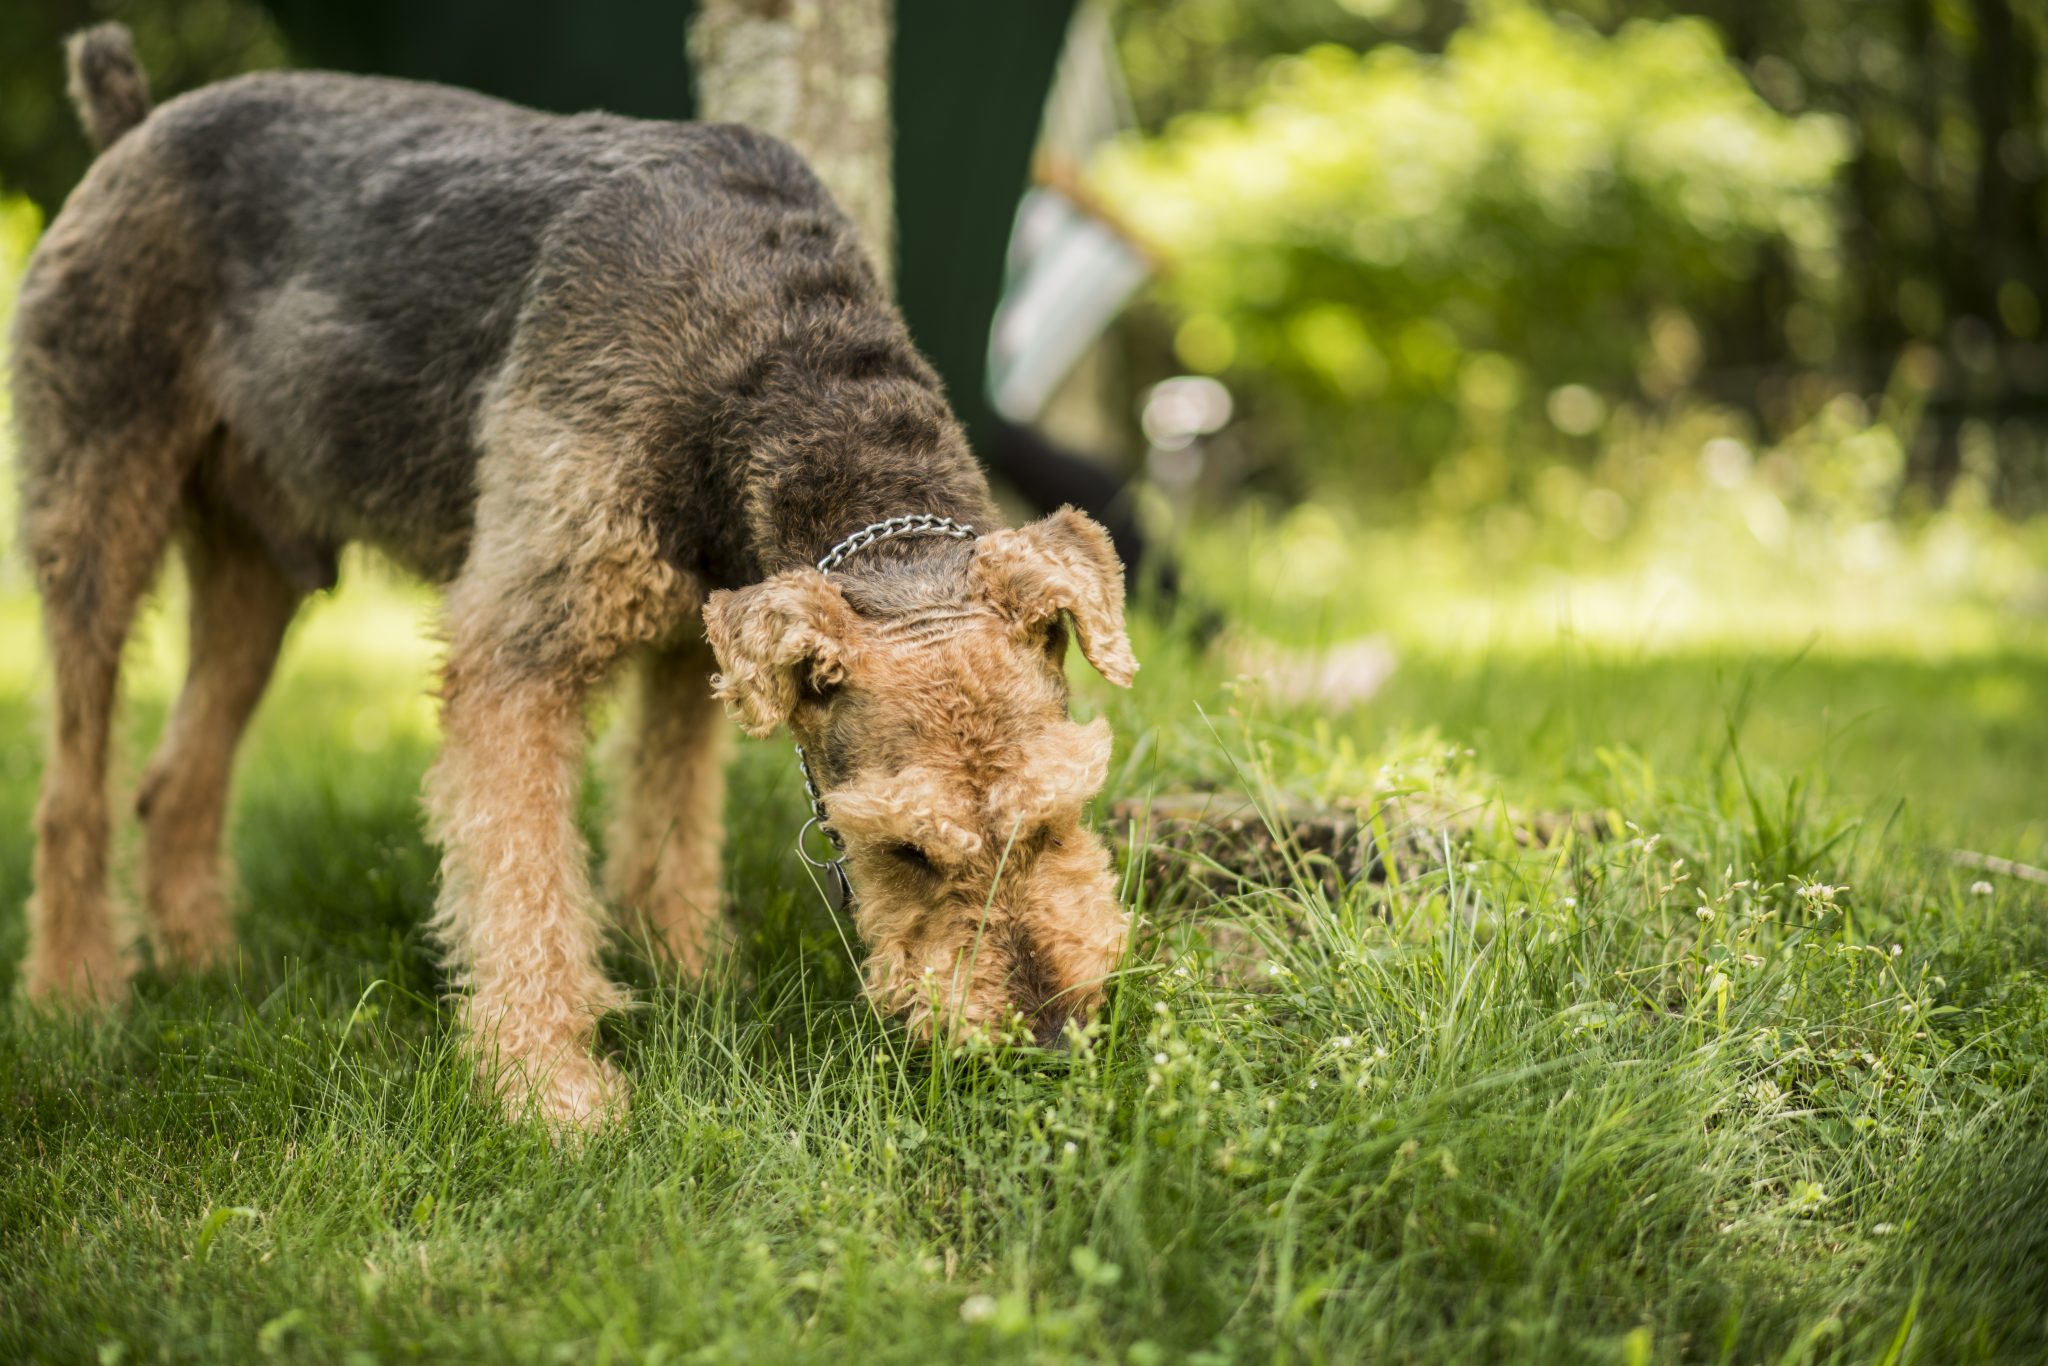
(669, 756)
(564, 578)
(516, 910)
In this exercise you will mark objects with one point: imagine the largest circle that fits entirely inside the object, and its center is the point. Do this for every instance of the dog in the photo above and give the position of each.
(632, 394)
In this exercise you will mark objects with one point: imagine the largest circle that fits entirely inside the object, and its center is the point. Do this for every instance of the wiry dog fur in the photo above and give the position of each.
(617, 385)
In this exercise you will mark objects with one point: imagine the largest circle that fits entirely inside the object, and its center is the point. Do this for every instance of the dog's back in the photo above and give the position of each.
(335, 270)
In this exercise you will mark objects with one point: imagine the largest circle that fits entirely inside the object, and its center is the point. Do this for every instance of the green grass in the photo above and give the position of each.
(1532, 1105)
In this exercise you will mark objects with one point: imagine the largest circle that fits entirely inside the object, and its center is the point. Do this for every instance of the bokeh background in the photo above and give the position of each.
(1425, 338)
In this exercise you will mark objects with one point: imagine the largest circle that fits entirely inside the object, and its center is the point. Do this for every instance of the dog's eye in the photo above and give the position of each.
(817, 695)
(1056, 642)
(910, 856)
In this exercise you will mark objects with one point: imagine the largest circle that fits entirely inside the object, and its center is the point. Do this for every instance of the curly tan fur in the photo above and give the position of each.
(1062, 564)
(777, 638)
(950, 767)
(516, 912)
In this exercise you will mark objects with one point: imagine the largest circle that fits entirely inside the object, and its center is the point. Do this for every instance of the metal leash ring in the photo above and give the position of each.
(839, 891)
(804, 853)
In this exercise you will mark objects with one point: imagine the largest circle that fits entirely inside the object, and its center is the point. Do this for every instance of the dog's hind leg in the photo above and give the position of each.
(111, 422)
(662, 857)
(95, 524)
(241, 604)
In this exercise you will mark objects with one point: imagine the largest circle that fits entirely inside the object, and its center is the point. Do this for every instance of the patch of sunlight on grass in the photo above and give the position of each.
(1959, 588)
(375, 631)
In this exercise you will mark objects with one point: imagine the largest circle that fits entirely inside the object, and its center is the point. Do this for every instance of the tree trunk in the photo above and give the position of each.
(815, 73)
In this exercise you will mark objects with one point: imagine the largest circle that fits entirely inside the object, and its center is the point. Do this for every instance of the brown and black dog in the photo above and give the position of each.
(618, 385)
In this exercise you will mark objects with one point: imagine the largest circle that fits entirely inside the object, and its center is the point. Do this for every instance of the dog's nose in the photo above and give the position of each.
(1049, 1029)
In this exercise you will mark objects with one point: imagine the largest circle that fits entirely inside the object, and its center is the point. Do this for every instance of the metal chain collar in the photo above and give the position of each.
(888, 529)
(910, 524)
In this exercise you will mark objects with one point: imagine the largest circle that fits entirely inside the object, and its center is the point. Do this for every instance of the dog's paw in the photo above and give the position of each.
(677, 933)
(196, 938)
(572, 1093)
(77, 977)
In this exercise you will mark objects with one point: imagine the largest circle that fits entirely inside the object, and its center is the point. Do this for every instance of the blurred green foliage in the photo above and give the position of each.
(182, 43)
(1440, 231)
(1768, 283)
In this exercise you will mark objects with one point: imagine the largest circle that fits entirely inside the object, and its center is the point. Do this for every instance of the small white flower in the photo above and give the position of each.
(1980, 889)
(1705, 912)
(1898, 949)
(977, 1309)
(1343, 1041)
(1071, 1148)
(1159, 1060)
(1881, 1229)
(1571, 903)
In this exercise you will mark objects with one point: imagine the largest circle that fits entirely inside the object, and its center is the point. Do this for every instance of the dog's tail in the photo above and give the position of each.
(107, 82)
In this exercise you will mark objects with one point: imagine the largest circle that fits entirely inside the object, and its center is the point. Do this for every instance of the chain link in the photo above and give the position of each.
(910, 524)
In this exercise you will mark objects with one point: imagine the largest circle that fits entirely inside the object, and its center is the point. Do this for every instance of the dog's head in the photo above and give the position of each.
(932, 702)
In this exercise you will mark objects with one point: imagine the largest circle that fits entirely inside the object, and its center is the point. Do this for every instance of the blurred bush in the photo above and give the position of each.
(1506, 228)
(1824, 197)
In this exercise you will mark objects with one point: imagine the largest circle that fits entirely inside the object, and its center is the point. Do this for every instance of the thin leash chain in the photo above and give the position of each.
(910, 524)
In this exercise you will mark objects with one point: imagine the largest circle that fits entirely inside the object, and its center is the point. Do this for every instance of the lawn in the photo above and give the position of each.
(1743, 1067)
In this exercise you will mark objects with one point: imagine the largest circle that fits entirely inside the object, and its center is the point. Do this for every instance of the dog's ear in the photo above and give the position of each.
(774, 638)
(1062, 563)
